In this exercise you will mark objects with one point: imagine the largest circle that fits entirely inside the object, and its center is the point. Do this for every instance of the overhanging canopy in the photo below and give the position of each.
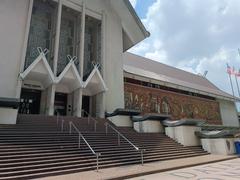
(70, 78)
(94, 83)
(39, 71)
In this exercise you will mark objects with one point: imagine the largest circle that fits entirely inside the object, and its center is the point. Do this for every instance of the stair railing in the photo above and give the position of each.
(90, 118)
(62, 121)
(119, 140)
(80, 136)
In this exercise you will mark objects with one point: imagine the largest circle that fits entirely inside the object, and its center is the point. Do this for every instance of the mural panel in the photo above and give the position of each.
(151, 100)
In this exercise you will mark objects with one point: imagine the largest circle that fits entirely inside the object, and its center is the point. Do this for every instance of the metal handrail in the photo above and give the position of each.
(121, 135)
(90, 118)
(71, 124)
(62, 121)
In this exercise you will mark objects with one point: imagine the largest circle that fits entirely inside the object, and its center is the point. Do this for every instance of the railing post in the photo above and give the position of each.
(62, 125)
(95, 126)
(70, 128)
(57, 120)
(106, 128)
(79, 140)
(97, 156)
(88, 119)
(118, 139)
(142, 160)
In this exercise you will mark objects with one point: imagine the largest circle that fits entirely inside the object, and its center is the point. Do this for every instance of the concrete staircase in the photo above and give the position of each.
(36, 147)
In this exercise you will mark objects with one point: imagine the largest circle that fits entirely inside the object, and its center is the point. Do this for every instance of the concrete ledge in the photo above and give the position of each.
(148, 126)
(184, 135)
(223, 146)
(8, 115)
(121, 121)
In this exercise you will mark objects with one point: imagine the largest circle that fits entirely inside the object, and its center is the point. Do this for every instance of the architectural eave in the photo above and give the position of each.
(133, 29)
(94, 83)
(136, 73)
(70, 77)
(39, 71)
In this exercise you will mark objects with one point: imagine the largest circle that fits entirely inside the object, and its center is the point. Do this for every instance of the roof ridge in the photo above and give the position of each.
(145, 58)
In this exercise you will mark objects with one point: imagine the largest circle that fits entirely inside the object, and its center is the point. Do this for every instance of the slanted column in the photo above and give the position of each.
(79, 92)
(102, 96)
(23, 56)
(52, 88)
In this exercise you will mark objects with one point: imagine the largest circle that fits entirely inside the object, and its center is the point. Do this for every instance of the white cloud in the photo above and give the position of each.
(133, 2)
(194, 35)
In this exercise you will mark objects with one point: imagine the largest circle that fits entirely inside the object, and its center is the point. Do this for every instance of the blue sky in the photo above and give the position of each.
(193, 35)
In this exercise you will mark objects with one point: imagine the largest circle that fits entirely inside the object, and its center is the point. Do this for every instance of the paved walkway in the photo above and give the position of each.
(124, 172)
(225, 170)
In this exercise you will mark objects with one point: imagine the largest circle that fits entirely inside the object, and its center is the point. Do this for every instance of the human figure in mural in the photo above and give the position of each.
(165, 106)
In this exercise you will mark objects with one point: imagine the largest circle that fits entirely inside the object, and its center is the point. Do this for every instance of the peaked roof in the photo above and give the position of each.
(94, 83)
(144, 67)
(40, 71)
(133, 29)
(70, 77)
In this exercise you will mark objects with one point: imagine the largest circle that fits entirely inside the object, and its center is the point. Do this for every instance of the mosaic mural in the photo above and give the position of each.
(179, 106)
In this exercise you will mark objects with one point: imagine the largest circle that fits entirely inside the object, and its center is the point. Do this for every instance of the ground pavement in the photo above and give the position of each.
(225, 170)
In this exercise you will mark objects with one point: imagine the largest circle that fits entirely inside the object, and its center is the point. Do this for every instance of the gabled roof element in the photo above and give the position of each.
(39, 71)
(133, 29)
(172, 77)
(70, 77)
(94, 83)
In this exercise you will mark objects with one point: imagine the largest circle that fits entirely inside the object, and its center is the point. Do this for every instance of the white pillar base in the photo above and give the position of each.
(121, 121)
(223, 146)
(184, 135)
(8, 115)
(148, 126)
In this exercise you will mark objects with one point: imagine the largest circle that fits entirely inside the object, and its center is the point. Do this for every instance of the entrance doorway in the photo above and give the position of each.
(86, 105)
(30, 101)
(60, 104)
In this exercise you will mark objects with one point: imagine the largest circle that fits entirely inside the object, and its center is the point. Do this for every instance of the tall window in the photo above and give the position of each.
(69, 36)
(42, 29)
(92, 44)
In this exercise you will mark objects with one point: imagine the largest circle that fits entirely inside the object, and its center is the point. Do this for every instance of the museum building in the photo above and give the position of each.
(66, 56)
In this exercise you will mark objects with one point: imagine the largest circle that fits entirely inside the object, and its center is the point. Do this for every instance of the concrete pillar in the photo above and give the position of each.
(50, 100)
(78, 103)
(100, 105)
(81, 60)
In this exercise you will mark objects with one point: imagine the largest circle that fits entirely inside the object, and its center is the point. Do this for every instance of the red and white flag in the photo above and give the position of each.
(237, 73)
(230, 70)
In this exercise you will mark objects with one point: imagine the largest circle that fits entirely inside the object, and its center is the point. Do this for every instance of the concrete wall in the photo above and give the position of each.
(13, 18)
(113, 61)
(228, 113)
(148, 126)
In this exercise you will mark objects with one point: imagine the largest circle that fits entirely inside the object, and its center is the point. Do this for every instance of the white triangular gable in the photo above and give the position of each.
(70, 78)
(94, 83)
(39, 71)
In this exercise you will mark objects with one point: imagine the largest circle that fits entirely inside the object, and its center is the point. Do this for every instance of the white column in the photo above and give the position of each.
(81, 61)
(102, 96)
(52, 88)
(50, 100)
(23, 56)
(57, 37)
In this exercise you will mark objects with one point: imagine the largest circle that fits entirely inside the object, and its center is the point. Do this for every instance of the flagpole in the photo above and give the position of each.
(230, 72)
(231, 84)
(237, 85)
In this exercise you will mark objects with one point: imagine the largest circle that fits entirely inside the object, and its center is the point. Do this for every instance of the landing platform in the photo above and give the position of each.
(124, 172)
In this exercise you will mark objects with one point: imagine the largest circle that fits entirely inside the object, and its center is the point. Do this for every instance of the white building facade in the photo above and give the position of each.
(65, 56)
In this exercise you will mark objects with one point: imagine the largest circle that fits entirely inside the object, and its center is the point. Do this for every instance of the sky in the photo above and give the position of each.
(193, 35)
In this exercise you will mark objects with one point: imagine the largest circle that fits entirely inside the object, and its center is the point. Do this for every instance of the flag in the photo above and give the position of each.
(237, 73)
(233, 71)
(230, 70)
